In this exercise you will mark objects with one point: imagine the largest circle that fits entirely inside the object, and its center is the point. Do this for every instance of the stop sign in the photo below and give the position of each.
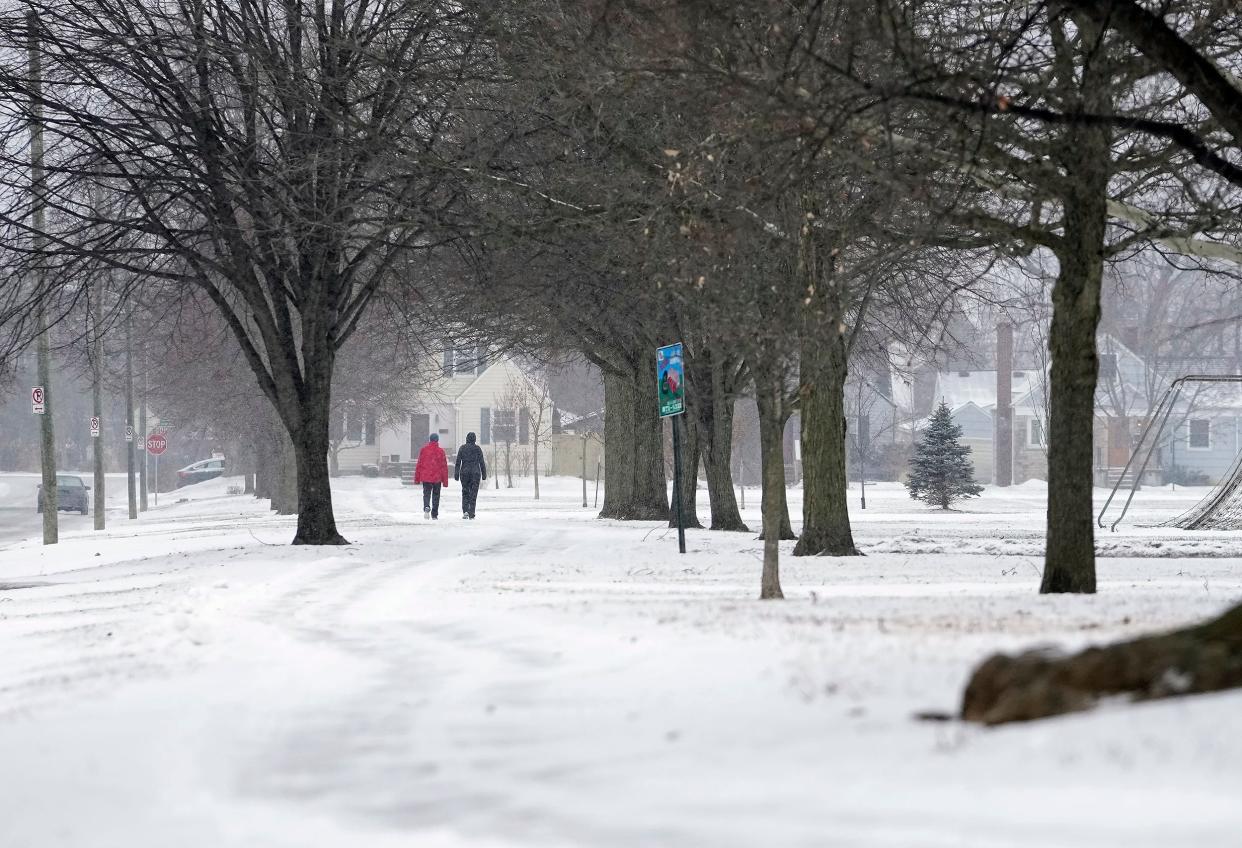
(156, 444)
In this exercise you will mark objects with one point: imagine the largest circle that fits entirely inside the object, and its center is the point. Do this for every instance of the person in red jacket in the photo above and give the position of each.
(432, 471)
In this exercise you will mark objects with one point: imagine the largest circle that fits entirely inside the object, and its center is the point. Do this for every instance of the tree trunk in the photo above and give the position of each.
(263, 460)
(284, 469)
(690, 448)
(1069, 560)
(1033, 685)
(775, 510)
(825, 511)
(635, 487)
(715, 418)
(316, 521)
(619, 448)
(772, 433)
(771, 436)
(535, 461)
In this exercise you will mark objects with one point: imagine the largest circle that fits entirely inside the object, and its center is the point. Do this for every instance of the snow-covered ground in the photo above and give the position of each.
(542, 678)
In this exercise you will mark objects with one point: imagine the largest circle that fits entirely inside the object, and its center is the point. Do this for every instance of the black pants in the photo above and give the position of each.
(469, 492)
(431, 499)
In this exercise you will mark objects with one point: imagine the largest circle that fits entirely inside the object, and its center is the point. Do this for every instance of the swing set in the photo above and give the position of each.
(1221, 509)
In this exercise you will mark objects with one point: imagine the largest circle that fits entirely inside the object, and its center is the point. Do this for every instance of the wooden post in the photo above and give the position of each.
(131, 484)
(47, 432)
(97, 403)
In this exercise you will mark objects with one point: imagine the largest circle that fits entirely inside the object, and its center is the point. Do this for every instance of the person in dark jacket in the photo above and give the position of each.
(432, 471)
(470, 470)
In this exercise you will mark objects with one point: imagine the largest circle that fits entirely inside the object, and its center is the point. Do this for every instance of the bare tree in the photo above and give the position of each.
(281, 158)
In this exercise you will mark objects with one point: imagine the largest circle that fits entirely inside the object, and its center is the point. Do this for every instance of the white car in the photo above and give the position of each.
(204, 469)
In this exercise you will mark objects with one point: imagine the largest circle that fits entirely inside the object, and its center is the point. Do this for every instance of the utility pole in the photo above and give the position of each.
(97, 401)
(47, 440)
(142, 429)
(129, 415)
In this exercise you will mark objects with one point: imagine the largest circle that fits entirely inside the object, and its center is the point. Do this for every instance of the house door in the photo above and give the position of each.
(1118, 442)
(420, 429)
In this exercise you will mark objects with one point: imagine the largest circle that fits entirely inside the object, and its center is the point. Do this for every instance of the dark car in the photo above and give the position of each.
(204, 469)
(71, 495)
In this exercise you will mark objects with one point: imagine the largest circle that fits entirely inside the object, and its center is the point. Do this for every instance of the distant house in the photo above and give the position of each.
(1206, 441)
(576, 445)
(1203, 437)
(971, 398)
(468, 397)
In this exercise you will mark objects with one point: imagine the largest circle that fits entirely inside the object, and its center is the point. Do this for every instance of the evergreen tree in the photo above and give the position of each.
(940, 472)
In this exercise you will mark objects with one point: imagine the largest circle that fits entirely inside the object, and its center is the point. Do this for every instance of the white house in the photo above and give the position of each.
(491, 397)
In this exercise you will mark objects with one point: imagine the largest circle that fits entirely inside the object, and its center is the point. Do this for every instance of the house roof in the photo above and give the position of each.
(590, 420)
(957, 388)
(922, 423)
(455, 396)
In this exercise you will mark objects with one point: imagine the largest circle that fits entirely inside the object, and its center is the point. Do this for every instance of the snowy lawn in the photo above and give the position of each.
(542, 678)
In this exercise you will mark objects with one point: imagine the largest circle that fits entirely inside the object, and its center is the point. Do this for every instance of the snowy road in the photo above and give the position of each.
(540, 678)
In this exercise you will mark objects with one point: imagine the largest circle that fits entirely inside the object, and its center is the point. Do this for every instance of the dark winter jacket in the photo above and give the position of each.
(432, 465)
(470, 461)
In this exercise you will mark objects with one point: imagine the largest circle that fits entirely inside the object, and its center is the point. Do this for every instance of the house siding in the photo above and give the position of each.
(975, 423)
(1217, 460)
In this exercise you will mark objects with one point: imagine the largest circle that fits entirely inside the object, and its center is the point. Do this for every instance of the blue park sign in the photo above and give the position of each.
(670, 380)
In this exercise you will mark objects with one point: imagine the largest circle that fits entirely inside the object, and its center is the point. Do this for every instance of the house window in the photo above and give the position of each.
(485, 426)
(505, 427)
(1034, 433)
(524, 427)
(1199, 436)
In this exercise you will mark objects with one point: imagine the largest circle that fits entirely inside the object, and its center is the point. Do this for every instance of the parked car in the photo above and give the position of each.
(204, 469)
(71, 494)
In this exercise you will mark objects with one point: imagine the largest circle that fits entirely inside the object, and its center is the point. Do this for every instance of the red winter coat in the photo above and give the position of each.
(432, 465)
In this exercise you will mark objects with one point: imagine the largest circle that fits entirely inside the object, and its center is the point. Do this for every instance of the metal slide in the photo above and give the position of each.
(1223, 503)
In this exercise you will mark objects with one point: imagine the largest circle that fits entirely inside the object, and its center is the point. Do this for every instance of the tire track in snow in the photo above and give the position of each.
(398, 750)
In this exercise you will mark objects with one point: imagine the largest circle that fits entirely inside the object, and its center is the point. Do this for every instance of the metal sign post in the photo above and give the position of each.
(157, 443)
(671, 392)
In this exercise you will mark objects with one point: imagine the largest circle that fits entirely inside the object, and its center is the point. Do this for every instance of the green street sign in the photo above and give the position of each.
(670, 380)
